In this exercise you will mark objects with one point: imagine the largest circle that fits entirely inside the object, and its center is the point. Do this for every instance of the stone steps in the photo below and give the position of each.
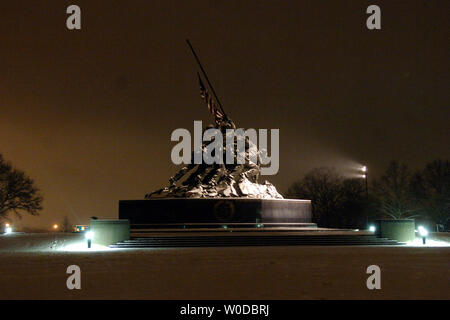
(253, 240)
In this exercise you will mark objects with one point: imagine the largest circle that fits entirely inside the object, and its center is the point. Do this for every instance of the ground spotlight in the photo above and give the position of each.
(423, 233)
(8, 230)
(372, 228)
(89, 236)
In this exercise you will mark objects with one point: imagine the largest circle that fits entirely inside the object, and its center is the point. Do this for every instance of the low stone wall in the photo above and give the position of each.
(108, 232)
(401, 230)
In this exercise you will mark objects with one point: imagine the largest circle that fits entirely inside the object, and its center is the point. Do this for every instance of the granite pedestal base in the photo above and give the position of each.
(214, 210)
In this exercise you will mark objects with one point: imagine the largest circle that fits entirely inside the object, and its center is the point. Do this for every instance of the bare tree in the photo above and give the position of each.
(431, 188)
(392, 193)
(336, 202)
(66, 224)
(18, 194)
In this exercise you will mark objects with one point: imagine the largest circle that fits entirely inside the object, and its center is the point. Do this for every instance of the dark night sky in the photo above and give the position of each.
(89, 113)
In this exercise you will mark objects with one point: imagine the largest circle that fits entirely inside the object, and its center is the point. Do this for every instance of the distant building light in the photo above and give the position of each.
(364, 169)
(55, 226)
(372, 229)
(81, 228)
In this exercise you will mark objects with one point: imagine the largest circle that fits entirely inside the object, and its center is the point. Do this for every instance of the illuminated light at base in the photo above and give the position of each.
(372, 229)
(8, 230)
(422, 231)
(89, 237)
(364, 169)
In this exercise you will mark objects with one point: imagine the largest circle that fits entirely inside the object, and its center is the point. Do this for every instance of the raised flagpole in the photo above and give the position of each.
(206, 77)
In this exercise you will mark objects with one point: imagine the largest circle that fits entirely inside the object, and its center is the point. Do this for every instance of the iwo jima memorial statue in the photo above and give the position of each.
(217, 194)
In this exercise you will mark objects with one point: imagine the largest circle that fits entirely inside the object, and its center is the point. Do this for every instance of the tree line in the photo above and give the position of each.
(399, 193)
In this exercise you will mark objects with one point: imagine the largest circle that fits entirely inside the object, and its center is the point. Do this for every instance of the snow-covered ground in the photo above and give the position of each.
(23, 242)
(33, 266)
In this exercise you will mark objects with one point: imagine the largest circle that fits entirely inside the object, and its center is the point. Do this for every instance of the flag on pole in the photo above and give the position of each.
(218, 115)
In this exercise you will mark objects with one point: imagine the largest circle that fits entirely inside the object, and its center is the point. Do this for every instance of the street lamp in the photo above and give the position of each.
(55, 226)
(364, 176)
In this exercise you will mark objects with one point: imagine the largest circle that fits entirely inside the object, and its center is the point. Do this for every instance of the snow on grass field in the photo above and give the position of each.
(22, 242)
(33, 266)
